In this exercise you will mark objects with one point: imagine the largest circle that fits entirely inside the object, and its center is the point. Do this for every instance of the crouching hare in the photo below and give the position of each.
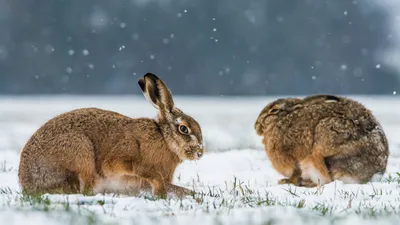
(92, 150)
(321, 138)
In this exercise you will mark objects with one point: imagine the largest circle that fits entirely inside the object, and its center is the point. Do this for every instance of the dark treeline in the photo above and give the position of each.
(226, 47)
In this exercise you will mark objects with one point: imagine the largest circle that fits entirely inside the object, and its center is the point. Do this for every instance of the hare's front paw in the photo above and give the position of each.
(184, 191)
(163, 190)
(159, 191)
(285, 181)
(298, 182)
(307, 183)
(180, 191)
(295, 179)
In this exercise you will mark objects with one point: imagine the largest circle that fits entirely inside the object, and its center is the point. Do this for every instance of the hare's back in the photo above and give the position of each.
(93, 124)
(86, 120)
(339, 107)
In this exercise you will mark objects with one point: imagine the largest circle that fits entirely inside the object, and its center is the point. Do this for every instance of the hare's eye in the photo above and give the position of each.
(183, 129)
(275, 110)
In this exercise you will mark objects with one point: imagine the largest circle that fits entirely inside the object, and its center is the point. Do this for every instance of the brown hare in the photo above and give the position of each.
(79, 151)
(321, 138)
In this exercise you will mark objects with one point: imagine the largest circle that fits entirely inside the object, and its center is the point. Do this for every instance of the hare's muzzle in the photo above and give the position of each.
(194, 152)
(197, 153)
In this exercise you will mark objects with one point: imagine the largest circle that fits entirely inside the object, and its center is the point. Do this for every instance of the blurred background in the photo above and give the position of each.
(224, 60)
(208, 47)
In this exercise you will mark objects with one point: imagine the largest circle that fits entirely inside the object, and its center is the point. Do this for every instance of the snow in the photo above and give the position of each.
(235, 174)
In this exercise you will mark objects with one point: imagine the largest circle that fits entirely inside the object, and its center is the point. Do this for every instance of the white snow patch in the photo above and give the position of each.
(239, 180)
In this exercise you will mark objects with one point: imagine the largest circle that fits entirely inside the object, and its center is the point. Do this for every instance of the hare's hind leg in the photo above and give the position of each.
(355, 169)
(342, 169)
(40, 173)
(68, 185)
(53, 182)
(76, 154)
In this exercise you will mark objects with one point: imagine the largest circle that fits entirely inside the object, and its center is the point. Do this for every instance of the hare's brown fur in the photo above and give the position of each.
(82, 150)
(322, 138)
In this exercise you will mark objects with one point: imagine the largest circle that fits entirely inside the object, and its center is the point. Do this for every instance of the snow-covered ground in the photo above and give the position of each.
(235, 174)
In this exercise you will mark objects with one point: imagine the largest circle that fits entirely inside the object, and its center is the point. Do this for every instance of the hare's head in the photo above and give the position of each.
(274, 110)
(181, 132)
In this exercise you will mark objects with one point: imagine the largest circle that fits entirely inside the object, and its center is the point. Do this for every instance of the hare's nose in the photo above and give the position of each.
(199, 154)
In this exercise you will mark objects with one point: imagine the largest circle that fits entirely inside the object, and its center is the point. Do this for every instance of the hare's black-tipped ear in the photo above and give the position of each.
(142, 84)
(156, 92)
(144, 87)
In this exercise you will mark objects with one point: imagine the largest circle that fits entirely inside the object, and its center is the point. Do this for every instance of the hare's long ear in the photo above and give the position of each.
(156, 92)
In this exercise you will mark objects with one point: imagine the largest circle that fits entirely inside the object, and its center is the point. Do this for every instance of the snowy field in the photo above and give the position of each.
(238, 183)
